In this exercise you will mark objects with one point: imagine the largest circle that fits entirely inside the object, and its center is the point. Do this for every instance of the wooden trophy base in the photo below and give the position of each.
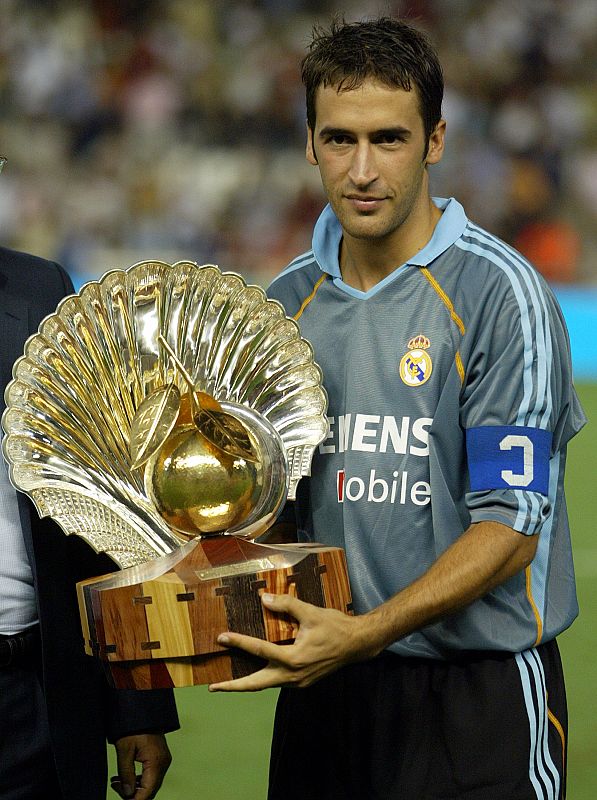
(155, 625)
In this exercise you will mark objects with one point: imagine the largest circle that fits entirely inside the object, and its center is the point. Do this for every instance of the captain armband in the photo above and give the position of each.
(508, 457)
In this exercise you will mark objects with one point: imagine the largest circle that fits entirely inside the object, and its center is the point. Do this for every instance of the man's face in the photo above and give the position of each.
(369, 144)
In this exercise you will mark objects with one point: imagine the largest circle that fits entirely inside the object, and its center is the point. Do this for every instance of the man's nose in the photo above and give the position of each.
(363, 169)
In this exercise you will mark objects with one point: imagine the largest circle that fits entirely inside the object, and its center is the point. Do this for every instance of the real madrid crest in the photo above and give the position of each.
(416, 365)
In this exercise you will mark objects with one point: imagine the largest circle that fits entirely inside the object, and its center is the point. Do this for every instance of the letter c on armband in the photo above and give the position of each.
(508, 457)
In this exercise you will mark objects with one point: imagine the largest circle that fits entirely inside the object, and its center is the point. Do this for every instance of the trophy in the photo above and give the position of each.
(165, 413)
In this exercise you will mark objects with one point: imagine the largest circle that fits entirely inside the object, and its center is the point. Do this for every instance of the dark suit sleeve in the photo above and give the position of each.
(133, 711)
(77, 688)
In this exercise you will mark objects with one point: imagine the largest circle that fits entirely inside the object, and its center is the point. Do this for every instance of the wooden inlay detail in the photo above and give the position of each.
(162, 632)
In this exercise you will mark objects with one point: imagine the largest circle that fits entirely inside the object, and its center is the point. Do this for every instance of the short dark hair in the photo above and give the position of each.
(386, 49)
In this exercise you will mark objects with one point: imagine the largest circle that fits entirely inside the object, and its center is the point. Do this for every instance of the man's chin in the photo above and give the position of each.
(368, 229)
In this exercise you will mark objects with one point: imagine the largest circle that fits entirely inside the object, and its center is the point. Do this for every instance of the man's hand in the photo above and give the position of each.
(326, 640)
(152, 752)
(484, 556)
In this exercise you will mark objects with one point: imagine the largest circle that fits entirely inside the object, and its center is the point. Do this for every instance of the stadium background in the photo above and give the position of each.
(174, 129)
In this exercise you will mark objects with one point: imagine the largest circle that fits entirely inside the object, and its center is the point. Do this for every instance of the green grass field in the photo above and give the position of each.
(579, 643)
(221, 753)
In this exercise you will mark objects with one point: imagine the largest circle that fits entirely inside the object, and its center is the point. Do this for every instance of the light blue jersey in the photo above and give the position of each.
(451, 402)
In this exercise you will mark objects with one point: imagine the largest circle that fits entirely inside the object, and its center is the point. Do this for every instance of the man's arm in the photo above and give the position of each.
(486, 555)
(137, 722)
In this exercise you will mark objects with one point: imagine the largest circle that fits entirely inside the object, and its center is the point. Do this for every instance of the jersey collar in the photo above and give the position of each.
(327, 235)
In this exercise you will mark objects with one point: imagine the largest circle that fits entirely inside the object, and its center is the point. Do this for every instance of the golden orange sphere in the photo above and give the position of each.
(197, 487)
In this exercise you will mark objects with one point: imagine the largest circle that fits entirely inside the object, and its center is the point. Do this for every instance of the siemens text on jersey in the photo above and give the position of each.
(373, 433)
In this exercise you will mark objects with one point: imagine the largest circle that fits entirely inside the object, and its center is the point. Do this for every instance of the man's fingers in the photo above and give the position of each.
(151, 751)
(283, 604)
(116, 784)
(125, 761)
(256, 647)
(151, 780)
(287, 604)
(266, 678)
(285, 662)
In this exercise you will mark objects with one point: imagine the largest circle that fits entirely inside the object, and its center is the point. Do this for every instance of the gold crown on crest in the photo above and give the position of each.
(419, 342)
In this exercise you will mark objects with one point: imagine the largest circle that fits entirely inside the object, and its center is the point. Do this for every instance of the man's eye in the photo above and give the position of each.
(389, 138)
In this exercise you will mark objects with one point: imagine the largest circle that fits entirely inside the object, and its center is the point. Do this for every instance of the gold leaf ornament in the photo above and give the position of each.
(153, 422)
(226, 432)
(221, 429)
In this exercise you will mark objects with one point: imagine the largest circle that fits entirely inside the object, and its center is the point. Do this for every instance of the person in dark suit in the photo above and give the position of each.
(56, 708)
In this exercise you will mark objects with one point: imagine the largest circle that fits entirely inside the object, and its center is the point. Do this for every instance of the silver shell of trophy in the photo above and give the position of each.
(77, 390)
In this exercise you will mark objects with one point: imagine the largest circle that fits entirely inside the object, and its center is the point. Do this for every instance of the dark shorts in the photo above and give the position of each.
(477, 728)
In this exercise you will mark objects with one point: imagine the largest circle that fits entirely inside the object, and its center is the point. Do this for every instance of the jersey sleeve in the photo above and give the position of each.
(282, 291)
(518, 404)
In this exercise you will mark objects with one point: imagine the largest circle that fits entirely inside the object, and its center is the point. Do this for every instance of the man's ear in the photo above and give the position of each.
(435, 150)
(310, 149)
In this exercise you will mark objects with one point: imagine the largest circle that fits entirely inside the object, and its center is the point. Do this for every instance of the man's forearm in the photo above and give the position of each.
(486, 555)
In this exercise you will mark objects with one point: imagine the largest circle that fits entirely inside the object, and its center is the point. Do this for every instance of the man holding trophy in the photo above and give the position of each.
(447, 367)
(167, 412)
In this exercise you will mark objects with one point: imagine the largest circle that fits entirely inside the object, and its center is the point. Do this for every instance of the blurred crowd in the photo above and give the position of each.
(175, 129)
